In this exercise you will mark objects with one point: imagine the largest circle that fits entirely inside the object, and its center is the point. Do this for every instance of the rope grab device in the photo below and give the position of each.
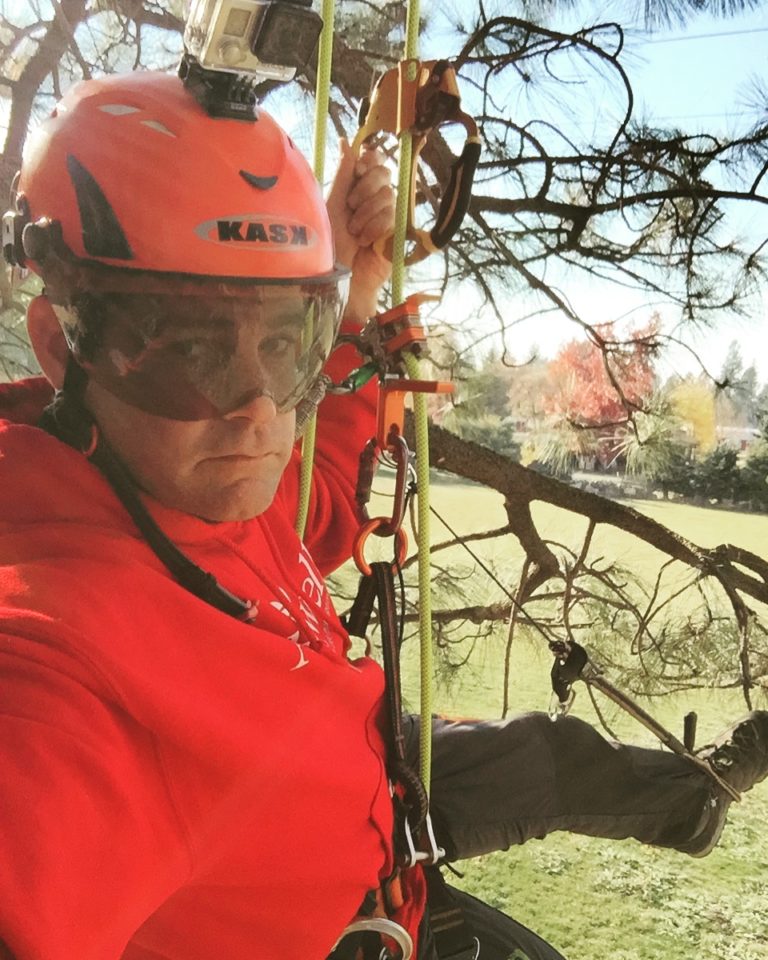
(417, 97)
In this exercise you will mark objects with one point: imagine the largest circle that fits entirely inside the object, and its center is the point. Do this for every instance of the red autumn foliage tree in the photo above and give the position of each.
(601, 382)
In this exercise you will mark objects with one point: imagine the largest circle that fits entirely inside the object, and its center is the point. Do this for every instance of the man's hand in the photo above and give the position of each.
(361, 207)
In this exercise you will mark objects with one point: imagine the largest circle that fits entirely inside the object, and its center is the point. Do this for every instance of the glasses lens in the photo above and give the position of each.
(196, 357)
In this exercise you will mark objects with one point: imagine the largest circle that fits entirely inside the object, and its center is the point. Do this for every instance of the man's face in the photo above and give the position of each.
(196, 394)
(223, 468)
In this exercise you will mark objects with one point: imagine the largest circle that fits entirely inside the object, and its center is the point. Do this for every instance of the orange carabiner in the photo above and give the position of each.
(374, 526)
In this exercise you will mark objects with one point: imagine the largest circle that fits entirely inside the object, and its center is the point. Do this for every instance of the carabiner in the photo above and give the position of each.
(402, 457)
(411, 854)
(385, 928)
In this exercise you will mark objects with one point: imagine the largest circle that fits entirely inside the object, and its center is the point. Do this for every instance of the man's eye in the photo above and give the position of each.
(278, 346)
(198, 350)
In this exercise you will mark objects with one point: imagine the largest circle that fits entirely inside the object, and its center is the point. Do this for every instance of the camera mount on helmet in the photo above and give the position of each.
(232, 45)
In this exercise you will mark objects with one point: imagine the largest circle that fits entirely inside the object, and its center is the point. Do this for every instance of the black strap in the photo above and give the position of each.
(378, 588)
(415, 802)
(384, 584)
(357, 619)
(454, 938)
(67, 420)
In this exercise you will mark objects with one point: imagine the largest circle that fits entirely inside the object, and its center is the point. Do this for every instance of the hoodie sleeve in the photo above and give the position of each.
(89, 841)
(344, 424)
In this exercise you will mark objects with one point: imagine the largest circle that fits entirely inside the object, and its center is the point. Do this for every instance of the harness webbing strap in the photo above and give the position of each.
(379, 587)
(454, 938)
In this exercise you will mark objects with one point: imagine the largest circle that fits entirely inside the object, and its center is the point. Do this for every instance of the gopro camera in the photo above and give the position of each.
(231, 45)
(271, 39)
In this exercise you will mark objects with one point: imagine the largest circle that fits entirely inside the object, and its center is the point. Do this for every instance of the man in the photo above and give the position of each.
(193, 768)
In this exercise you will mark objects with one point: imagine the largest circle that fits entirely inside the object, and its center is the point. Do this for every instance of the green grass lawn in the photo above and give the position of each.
(597, 899)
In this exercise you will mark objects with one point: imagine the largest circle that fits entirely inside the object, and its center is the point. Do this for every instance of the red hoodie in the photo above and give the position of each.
(177, 784)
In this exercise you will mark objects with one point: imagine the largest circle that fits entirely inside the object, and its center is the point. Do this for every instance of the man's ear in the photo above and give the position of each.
(47, 339)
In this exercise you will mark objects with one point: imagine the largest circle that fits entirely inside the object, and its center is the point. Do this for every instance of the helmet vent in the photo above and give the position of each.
(261, 183)
(118, 109)
(102, 234)
(160, 127)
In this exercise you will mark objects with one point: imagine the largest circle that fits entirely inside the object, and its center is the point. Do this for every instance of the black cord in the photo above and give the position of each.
(67, 419)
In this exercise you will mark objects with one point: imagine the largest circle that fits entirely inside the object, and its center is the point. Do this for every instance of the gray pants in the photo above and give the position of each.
(496, 783)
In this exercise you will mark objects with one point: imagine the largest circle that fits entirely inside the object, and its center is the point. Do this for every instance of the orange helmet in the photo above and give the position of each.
(139, 176)
(130, 188)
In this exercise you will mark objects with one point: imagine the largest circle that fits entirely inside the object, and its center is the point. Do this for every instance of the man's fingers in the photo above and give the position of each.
(372, 183)
(375, 229)
(342, 184)
(371, 201)
(361, 203)
(373, 218)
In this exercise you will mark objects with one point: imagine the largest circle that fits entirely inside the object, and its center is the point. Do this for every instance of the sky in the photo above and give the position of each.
(697, 77)
(700, 78)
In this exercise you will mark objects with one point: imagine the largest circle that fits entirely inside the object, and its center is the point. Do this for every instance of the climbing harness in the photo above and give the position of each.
(384, 930)
(454, 937)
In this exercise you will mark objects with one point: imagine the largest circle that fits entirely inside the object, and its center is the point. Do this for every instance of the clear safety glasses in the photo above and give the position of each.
(193, 357)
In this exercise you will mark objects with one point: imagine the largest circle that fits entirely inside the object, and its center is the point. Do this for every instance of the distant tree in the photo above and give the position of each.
(594, 388)
(733, 367)
(753, 480)
(677, 475)
(761, 411)
(748, 390)
(483, 390)
(527, 391)
(692, 400)
(594, 393)
(716, 476)
(491, 431)
(736, 399)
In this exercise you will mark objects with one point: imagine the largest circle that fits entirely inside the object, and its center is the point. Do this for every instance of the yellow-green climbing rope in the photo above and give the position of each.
(421, 420)
(322, 96)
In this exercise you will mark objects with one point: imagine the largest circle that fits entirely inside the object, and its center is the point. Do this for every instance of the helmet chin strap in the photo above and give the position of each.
(68, 419)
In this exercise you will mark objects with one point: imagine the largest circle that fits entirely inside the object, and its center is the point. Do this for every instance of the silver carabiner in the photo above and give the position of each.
(384, 927)
(413, 855)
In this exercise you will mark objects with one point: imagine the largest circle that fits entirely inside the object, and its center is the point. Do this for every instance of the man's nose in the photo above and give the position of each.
(257, 404)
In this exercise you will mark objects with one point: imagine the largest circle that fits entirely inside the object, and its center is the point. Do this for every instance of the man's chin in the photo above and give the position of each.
(238, 505)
